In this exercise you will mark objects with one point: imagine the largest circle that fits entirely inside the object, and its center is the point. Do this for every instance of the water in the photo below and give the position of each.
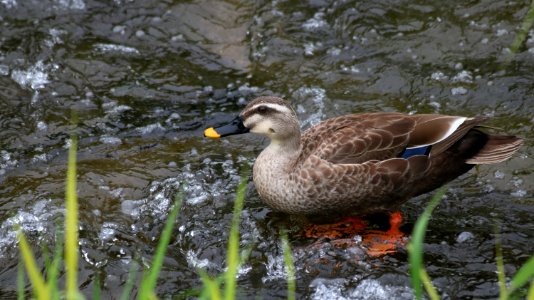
(146, 77)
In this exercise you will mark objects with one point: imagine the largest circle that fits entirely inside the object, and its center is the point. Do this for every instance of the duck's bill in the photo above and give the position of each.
(235, 127)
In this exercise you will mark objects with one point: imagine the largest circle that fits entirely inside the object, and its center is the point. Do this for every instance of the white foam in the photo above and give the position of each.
(6, 161)
(72, 4)
(4, 70)
(328, 289)
(35, 77)
(309, 49)
(438, 76)
(458, 91)
(463, 76)
(519, 193)
(499, 174)
(109, 48)
(318, 96)
(151, 128)
(316, 22)
(194, 261)
(374, 289)
(108, 231)
(501, 32)
(9, 3)
(117, 109)
(110, 140)
(464, 236)
(275, 268)
(33, 222)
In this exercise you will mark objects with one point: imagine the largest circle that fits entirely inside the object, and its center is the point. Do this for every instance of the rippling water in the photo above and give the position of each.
(146, 77)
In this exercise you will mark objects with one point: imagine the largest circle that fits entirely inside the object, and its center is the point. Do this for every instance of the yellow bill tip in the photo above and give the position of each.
(211, 133)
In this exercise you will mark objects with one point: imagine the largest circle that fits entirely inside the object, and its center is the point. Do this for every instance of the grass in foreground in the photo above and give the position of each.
(420, 278)
(290, 267)
(212, 286)
(521, 36)
(45, 287)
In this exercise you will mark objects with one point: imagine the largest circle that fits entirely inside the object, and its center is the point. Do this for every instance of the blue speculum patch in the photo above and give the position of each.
(409, 152)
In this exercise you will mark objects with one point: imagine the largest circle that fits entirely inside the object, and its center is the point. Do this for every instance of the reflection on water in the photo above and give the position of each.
(145, 77)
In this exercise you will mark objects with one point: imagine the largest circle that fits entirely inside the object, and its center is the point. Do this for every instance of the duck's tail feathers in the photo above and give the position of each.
(498, 148)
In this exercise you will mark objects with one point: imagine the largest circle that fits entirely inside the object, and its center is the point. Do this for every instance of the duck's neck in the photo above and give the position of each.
(284, 152)
(287, 141)
(287, 145)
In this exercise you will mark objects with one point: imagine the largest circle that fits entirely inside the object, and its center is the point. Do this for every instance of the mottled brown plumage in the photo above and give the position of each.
(353, 164)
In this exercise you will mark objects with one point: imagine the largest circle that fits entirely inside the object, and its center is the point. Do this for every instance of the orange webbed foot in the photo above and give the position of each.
(347, 227)
(380, 243)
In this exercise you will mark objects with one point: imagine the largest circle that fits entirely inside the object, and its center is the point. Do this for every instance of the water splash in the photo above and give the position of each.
(112, 48)
(37, 222)
(315, 23)
(318, 96)
(35, 77)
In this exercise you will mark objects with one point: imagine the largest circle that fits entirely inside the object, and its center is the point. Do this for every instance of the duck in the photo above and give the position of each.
(360, 163)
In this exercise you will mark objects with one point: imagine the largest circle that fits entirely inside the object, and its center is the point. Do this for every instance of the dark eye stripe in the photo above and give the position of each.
(263, 109)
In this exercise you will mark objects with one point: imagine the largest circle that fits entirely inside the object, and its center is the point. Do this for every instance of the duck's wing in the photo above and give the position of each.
(358, 138)
(361, 188)
(355, 139)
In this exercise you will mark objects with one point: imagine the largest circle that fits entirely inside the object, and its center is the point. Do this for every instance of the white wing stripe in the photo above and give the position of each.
(452, 128)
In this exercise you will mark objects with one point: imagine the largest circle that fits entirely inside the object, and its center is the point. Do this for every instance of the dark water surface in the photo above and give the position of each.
(146, 77)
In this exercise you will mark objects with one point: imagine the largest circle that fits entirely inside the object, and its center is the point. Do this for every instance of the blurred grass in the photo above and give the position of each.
(41, 289)
(129, 282)
(20, 281)
(415, 249)
(503, 294)
(211, 289)
(523, 31)
(521, 277)
(46, 287)
(419, 276)
(232, 256)
(148, 283)
(71, 224)
(290, 267)
(52, 267)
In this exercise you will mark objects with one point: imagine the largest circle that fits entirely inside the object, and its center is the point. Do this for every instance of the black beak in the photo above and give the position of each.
(234, 127)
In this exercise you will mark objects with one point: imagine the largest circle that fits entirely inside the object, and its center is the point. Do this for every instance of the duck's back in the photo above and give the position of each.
(358, 138)
(450, 147)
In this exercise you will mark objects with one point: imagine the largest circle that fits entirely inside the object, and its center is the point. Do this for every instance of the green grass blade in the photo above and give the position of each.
(415, 247)
(148, 282)
(523, 32)
(525, 273)
(503, 293)
(20, 281)
(290, 267)
(34, 274)
(71, 224)
(232, 257)
(125, 295)
(530, 295)
(211, 287)
(96, 288)
(52, 270)
(427, 283)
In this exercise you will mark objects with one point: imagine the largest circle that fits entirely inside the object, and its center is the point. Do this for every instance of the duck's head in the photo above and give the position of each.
(269, 116)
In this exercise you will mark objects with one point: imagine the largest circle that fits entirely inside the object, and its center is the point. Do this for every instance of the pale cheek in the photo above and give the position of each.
(262, 128)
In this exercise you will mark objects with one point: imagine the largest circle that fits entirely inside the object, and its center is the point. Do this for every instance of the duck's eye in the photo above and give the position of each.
(262, 109)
